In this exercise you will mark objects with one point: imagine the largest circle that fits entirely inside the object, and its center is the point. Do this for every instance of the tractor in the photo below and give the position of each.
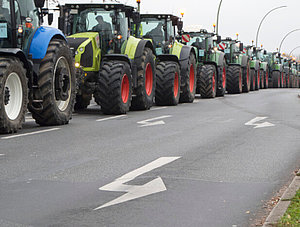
(211, 69)
(36, 67)
(238, 71)
(111, 64)
(261, 55)
(276, 72)
(175, 62)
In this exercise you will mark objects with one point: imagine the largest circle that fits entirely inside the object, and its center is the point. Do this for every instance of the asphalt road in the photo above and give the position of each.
(210, 163)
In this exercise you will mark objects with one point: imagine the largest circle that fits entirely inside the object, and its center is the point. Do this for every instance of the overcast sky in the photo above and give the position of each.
(236, 16)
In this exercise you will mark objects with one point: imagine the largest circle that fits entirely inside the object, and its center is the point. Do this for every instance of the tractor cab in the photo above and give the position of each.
(233, 50)
(161, 29)
(18, 22)
(108, 24)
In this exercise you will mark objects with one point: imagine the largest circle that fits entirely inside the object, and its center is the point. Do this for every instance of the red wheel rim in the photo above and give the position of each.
(267, 78)
(254, 77)
(282, 79)
(214, 82)
(125, 88)
(278, 81)
(224, 77)
(176, 84)
(248, 77)
(258, 78)
(192, 78)
(149, 79)
(289, 80)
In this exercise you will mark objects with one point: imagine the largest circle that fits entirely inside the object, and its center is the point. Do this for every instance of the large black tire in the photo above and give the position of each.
(199, 68)
(276, 79)
(252, 79)
(262, 76)
(57, 84)
(222, 81)
(82, 101)
(257, 80)
(234, 79)
(13, 94)
(290, 81)
(266, 79)
(208, 81)
(114, 87)
(246, 78)
(167, 83)
(281, 80)
(146, 82)
(189, 82)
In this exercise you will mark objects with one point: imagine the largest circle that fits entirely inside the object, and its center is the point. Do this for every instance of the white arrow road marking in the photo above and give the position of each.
(254, 121)
(30, 133)
(153, 121)
(137, 191)
(110, 118)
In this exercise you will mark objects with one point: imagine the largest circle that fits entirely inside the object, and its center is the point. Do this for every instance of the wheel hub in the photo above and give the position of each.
(6, 96)
(62, 84)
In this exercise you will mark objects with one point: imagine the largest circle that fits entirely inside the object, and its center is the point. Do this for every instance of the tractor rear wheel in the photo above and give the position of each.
(262, 77)
(189, 82)
(57, 85)
(246, 78)
(167, 83)
(82, 101)
(252, 79)
(257, 80)
(199, 68)
(13, 93)
(146, 82)
(234, 79)
(281, 80)
(221, 85)
(114, 87)
(208, 81)
(276, 79)
(266, 79)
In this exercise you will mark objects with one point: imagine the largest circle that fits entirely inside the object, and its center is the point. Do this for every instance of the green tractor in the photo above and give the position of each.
(298, 74)
(36, 67)
(287, 73)
(276, 72)
(112, 65)
(211, 69)
(175, 62)
(261, 55)
(293, 74)
(238, 72)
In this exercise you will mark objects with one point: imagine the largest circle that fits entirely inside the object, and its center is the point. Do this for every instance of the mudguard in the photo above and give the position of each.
(118, 57)
(16, 52)
(168, 57)
(184, 60)
(264, 66)
(244, 61)
(254, 64)
(41, 39)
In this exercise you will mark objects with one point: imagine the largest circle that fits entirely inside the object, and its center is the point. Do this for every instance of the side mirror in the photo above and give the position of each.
(219, 39)
(265, 52)
(136, 17)
(50, 18)
(39, 3)
(180, 25)
(241, 47)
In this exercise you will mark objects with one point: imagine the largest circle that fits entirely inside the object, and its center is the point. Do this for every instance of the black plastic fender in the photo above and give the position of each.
(221, 59)
(244, 61)
(137, 58)
(167, 57)
(184, 61)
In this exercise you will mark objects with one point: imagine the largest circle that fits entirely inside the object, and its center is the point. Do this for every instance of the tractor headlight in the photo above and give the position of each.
(215, 49)
(77, 65)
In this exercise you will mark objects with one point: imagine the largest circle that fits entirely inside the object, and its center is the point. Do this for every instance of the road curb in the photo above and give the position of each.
(284, 202)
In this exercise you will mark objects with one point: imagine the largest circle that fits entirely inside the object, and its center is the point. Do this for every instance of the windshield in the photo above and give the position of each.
(197, 40)
(102, 21)
(5, 24)
(152, 28)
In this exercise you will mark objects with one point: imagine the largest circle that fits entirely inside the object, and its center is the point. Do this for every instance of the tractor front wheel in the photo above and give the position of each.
(246, 78)
(114, 87)
(276, 79)
(222, 82)
(13, 93)
(234, 79)
(144, 93)
(167, 83)
(208, 81)
(57, 84)
(266, 79)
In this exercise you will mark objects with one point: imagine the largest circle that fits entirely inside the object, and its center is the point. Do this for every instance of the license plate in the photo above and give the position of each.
(201, 53)
(3, 30)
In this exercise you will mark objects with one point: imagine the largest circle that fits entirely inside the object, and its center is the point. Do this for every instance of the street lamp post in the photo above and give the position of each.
(217, 32)
(286, 37)
(264, 19)
(294, 50)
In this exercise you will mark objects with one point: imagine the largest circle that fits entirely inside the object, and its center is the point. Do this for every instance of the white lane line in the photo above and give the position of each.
(159, 108)
(137, 191)
(196, 101)
(30, 133)
(2, 154)
(153, 121)
(110, 118)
